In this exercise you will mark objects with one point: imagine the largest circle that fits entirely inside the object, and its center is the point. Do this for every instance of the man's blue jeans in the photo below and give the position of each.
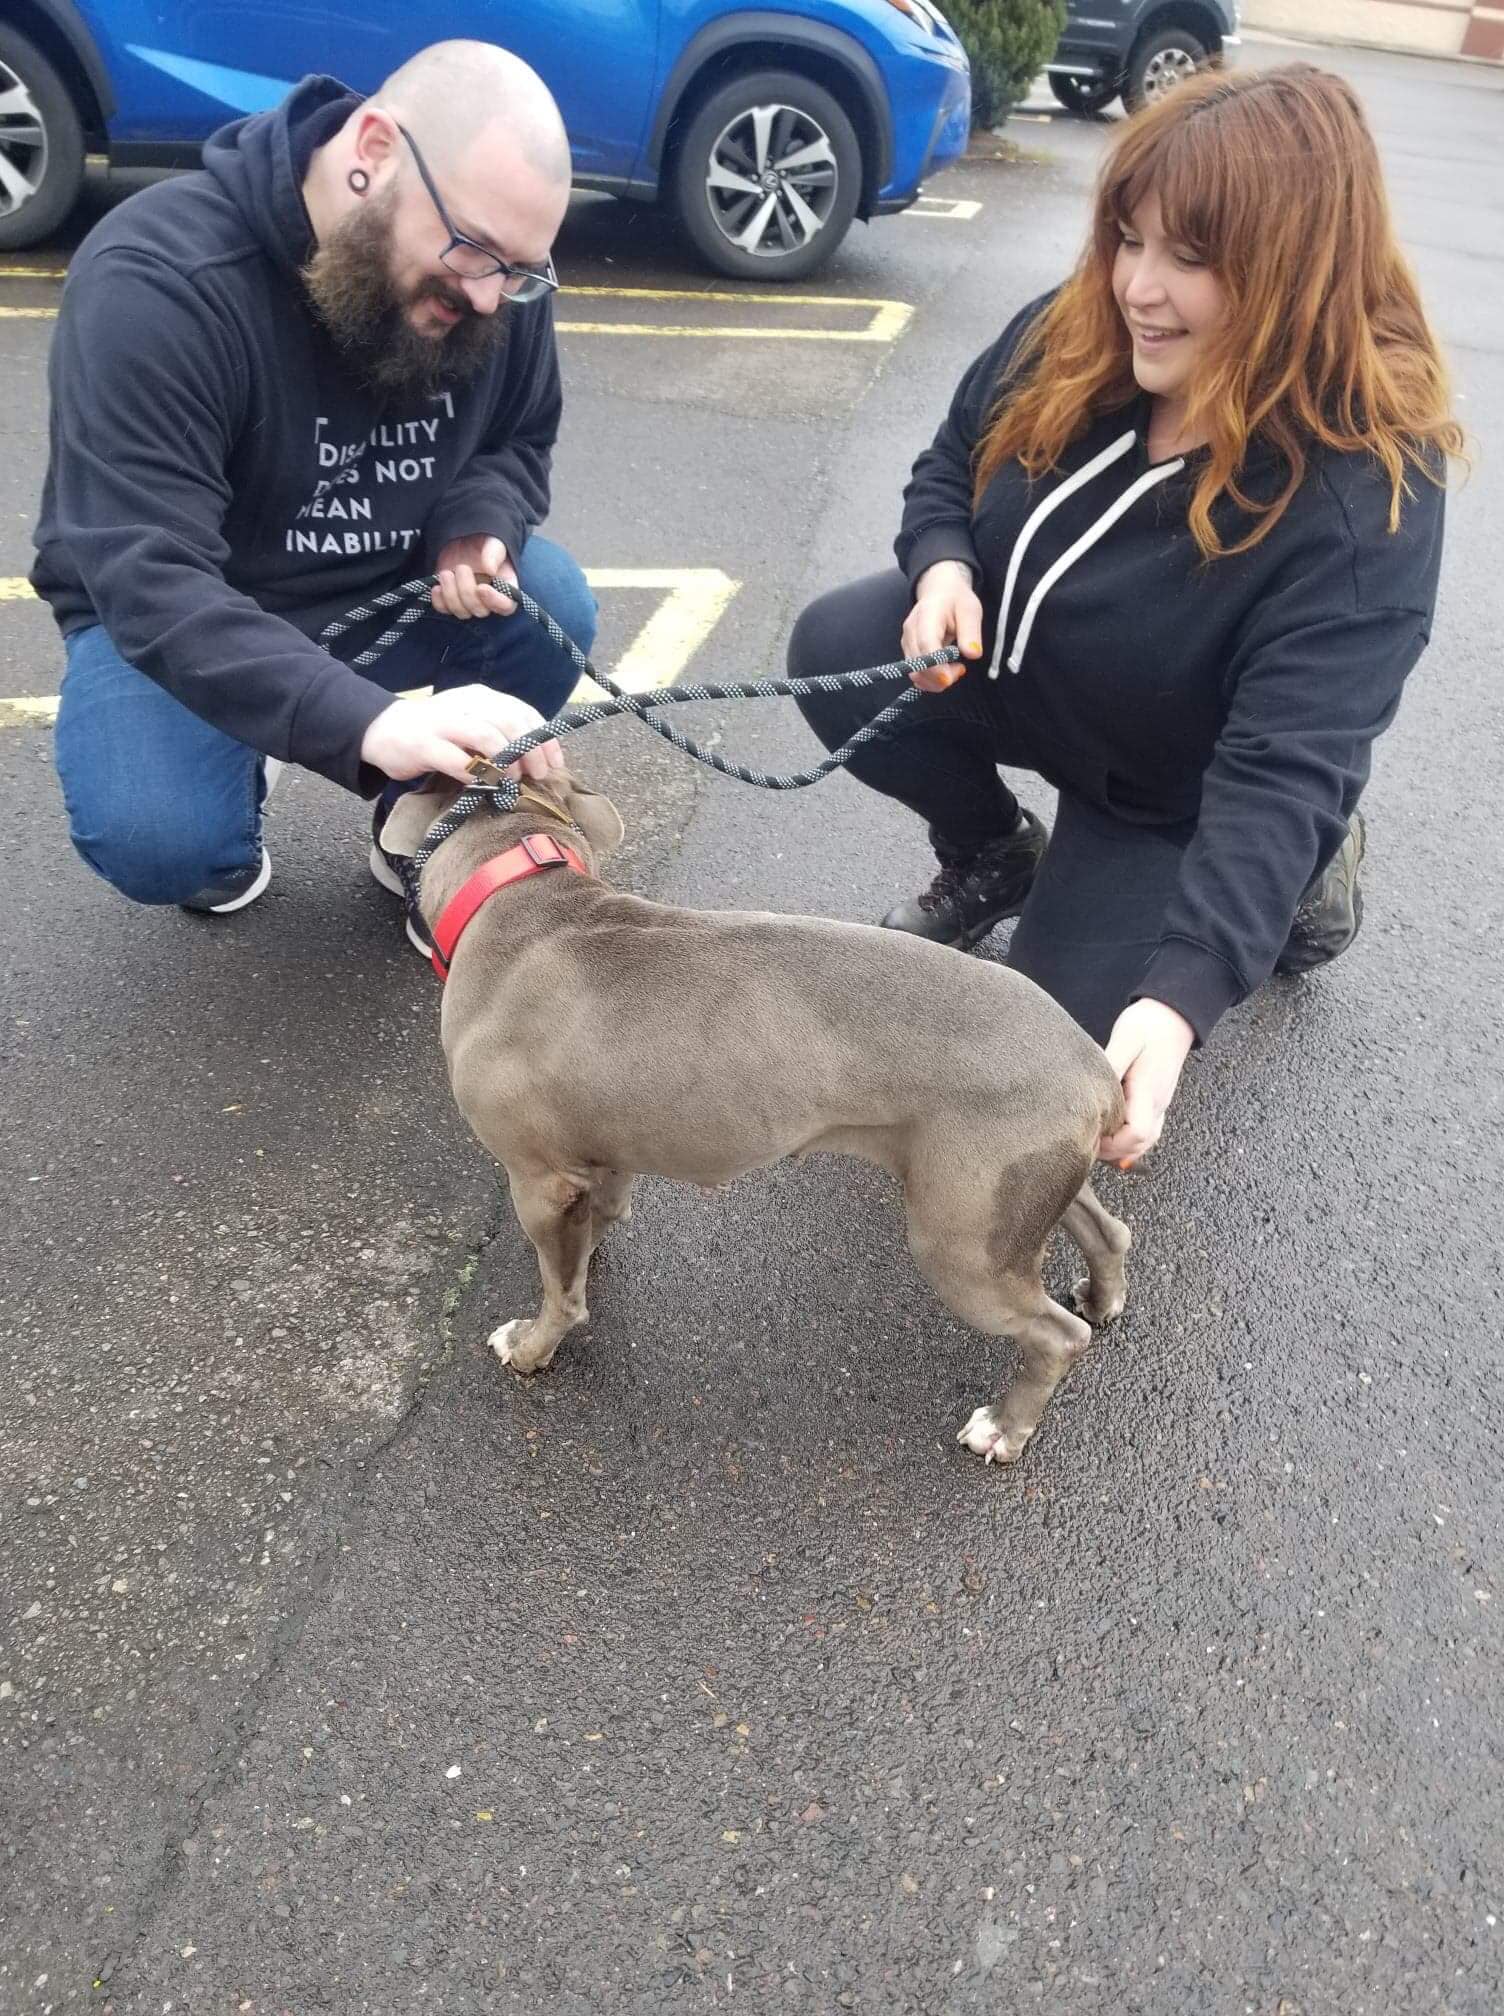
(165, 807)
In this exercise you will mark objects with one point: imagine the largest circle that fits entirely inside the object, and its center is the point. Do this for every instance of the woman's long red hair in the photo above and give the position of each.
(1273, 180)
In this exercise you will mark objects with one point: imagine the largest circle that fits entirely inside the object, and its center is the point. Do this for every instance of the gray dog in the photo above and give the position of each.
(769, 1036)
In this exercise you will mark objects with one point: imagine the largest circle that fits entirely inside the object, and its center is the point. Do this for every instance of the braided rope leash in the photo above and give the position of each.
(503, 793)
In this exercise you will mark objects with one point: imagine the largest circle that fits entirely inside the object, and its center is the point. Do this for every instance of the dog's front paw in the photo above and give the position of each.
(513, 1345)
(985, 1434)
(1085, 1303)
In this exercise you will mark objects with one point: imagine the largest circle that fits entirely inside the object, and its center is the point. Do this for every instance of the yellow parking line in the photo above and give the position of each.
(692, 601)
(30, 710)
(888, 332)
(886, 321)
(31, 713)
(696, 599)
(956, 209)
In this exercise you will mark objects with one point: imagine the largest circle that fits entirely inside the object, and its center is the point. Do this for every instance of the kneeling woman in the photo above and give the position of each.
(1185, 517)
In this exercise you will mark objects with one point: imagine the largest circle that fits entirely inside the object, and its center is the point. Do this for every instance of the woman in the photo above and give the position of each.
(1184, 521)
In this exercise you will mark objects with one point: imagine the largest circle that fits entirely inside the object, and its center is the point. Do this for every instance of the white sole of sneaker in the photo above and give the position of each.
(247, 896)
(389, 879)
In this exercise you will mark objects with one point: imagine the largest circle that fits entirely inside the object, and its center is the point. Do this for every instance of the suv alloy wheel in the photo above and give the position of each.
(767, 176)
(1163, 59)
(41, 144)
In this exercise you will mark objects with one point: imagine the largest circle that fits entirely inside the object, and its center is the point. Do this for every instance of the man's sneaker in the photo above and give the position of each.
(226, 897)
(385, 869)
(239, 894)
(974, 890)
(1331, 909)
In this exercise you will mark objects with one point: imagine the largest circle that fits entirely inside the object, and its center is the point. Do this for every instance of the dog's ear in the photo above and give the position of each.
(413, 814)
(596, 817)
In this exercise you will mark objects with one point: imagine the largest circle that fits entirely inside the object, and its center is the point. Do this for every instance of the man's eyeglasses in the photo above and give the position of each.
(474, 261)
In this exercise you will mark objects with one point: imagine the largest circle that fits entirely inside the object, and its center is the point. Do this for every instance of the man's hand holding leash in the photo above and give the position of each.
(464, 570)
(446, 731)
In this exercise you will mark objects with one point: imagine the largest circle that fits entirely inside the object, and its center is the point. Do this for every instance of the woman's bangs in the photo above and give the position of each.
(1171, 166)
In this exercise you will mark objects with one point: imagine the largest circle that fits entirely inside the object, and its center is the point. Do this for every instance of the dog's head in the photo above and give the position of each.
(416, 811)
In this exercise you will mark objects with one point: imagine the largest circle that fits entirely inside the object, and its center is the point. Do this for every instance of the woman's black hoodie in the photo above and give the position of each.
(1243, 694)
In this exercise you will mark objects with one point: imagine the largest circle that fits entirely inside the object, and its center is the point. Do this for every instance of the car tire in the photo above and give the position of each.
(1163, 59)
(1083, 94)
(41, 145)
(744, 214)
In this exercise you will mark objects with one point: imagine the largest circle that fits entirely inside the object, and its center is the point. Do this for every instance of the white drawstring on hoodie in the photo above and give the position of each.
(1110, 454)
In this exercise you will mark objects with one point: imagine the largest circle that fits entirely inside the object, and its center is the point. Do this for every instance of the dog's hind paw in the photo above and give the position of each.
(1097, 1314)
(508, 1342)
(988, 1439)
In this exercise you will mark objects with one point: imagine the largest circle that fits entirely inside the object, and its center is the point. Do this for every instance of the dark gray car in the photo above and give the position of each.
(1135, 49)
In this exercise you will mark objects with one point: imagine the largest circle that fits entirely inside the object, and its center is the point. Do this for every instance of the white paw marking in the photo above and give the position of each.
(502, 1340)
(982, 1435)
(1081, 1303)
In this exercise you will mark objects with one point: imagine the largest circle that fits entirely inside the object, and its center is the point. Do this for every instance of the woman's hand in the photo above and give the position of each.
(1147, 1048)
(945, 611)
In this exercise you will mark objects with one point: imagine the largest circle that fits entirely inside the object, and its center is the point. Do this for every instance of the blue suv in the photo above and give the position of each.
(767, 129)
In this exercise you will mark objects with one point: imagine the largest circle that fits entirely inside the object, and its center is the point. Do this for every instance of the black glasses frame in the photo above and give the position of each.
(530, 281)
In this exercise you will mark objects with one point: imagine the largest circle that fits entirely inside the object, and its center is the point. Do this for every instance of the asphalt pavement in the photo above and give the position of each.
(341, 1671)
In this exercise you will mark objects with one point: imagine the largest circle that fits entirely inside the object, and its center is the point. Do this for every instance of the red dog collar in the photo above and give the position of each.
(535, 852)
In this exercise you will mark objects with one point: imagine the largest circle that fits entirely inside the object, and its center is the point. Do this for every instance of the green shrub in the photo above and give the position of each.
(1008, 42)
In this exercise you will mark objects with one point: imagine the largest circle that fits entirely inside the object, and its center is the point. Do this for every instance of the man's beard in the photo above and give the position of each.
(349, 280)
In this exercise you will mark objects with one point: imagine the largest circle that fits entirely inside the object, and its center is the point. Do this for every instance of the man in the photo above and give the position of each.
(321, 365)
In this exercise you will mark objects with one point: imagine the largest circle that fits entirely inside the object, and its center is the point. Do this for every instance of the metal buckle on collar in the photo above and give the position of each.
(543, 850)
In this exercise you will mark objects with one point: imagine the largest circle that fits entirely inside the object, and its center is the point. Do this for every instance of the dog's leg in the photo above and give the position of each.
(1104, 1242)
(982, 1253)
(1049, 1339)
(555, 1213)
(1049, 1343)
(610, 1202)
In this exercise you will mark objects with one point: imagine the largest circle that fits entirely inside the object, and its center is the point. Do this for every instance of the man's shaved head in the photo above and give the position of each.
(453, 92)
(495, 176)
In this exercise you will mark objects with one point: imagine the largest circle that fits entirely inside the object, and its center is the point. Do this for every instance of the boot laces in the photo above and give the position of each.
(960, 878)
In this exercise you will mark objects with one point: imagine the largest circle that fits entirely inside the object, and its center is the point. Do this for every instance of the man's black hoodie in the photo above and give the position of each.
(221, 484)
(1242, 695)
